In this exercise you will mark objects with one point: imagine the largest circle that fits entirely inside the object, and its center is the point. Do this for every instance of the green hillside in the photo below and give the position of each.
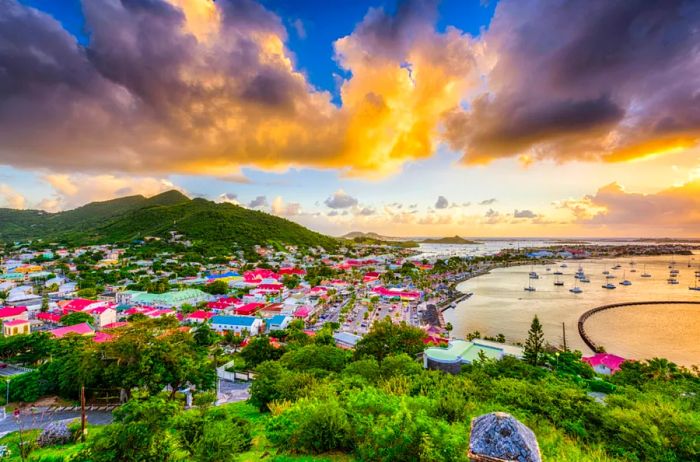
(135, 217)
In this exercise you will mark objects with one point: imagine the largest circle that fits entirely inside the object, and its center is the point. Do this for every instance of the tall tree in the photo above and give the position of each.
(534, 345)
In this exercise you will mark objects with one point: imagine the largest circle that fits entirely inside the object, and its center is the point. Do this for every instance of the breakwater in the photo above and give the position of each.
(584, 317)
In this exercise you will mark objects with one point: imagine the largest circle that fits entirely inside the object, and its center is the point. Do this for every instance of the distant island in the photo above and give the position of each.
(449, 240)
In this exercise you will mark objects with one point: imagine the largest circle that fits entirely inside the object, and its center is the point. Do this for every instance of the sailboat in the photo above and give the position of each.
(696, 286)
(645, 274)
(558, 282)
(608, 286)
(533, 274)
(625, 281)
(529, 287)
(575, 289)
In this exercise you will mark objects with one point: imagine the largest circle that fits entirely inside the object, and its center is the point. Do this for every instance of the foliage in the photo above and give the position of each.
(76, 317)
(259, 350)
(386, 338)
(534, 345)
(212, 228)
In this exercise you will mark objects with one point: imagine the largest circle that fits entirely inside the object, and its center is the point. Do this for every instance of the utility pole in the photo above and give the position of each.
(563, 328)
(82, 413)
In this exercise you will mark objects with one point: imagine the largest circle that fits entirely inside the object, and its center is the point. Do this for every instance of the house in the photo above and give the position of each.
(302, 313)
(103, 316)
(12, 313)
(258, 275)
(81, 304)
(278, 322)
(15, 327)
(77, 329)
(346, 339)
(49, 318)
(604, 363)
(171, 299)
(237, 324)
(200, 316)
(249, 309)
(461, 352)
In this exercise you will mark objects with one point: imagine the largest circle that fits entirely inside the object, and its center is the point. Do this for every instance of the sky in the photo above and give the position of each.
(518, 118)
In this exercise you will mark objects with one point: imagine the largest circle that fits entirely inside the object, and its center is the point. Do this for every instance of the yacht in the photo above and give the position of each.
(633, 270)
(575, 290)
(672, 280)
(610, 276)
(608, 286)
(617, 267)
(584, 279)
(645, 274)
(674, 271)
(558, 282)
(529, 287)
(534, 275)
(696, 286)
(563, 265)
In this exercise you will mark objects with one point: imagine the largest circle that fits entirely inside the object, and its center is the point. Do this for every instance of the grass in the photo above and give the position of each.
(61, 453)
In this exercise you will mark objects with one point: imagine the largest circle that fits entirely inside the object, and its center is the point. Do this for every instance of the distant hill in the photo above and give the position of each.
(449, 240)
(371, 235)
(135, 217)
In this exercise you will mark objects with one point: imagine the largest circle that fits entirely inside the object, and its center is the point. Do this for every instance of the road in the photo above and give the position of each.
(42, 419)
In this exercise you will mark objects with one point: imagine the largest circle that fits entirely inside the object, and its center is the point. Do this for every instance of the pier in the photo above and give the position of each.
(584, 317)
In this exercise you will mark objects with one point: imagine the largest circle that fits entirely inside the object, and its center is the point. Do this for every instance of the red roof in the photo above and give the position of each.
(99, 310)
(10, 311)
(201, 314)
(102, 337)
(302, 312)
(78, 304)
(114, 325)
(80, 329)
(274, 287)
(15, 322)
(612, 362)
(259, 274)
(50, 317)
(298, 271)
(249, 308)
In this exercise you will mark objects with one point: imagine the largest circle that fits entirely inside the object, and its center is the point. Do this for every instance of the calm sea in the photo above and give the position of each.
(500, 305)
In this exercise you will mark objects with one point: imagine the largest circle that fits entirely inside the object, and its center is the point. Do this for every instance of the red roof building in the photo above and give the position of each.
(249, 309)
(77, 329)
(10, 313)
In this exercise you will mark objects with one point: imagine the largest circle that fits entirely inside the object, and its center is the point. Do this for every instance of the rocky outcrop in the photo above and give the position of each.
(500, 437)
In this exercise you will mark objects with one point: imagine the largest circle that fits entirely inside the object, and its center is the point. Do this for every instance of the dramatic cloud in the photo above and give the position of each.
(585, 79)
(524, 214)
(675, 207)
(441, 203)
(203, 87)
(340, 200)
(9, 198)
(259, 201)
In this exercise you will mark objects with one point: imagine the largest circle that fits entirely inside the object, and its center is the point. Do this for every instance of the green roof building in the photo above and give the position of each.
(460, 352)
(167, 299)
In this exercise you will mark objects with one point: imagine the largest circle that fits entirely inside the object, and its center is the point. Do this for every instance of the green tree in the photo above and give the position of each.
(44, 303)
(386, 338)
(534, 345)
(259, 350)
(77, 317)
(216, 288)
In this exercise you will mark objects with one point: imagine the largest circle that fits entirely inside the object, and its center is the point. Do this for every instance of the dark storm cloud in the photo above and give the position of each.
(585, 79)
(441, 203)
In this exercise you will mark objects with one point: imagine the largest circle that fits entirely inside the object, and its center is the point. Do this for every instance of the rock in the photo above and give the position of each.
(498, 437)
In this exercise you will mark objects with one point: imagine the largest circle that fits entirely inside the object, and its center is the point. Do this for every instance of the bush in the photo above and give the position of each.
(311, 426)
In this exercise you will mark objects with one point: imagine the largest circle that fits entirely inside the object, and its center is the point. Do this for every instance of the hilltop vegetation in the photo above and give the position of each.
(313, 401)
(220, 226)
(450, 240)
